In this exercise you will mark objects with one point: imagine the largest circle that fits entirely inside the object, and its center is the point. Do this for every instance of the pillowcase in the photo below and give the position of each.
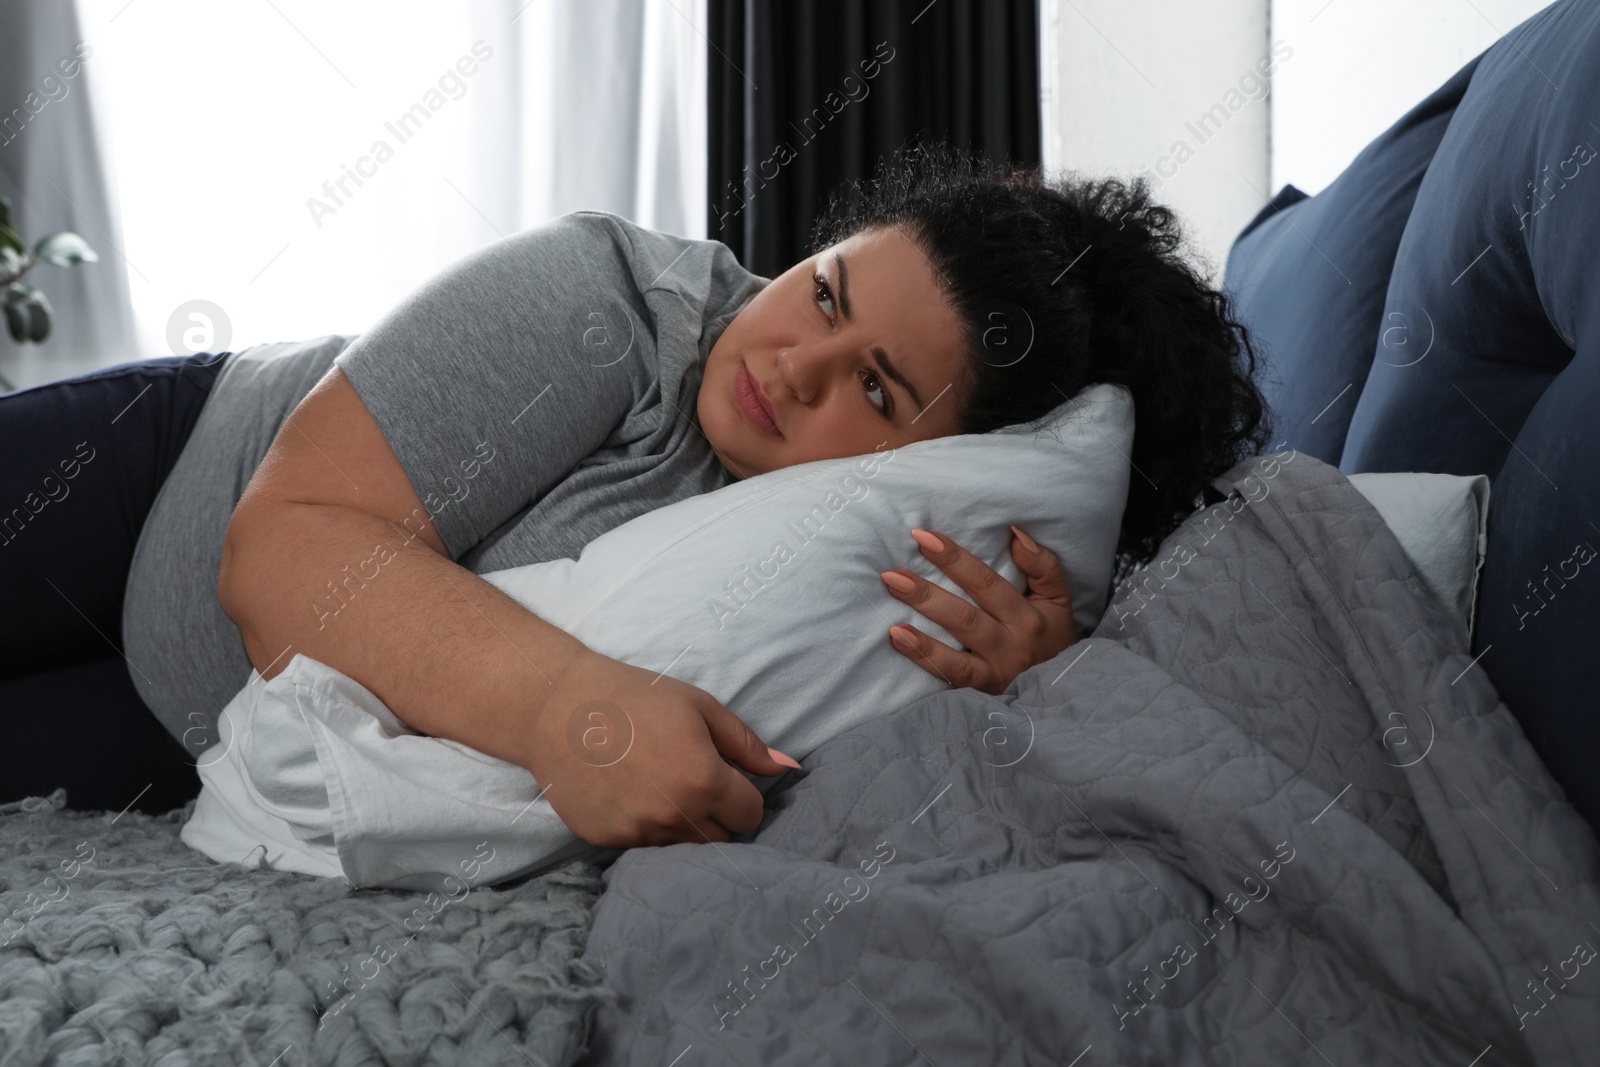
(1308, 277)
(1500, 250)
(1442, 521)
(764, 593)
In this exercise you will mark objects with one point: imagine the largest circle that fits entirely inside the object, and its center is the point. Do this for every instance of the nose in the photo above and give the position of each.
(805, 369)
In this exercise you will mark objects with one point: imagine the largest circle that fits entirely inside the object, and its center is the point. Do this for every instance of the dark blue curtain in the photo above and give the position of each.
(805, 95)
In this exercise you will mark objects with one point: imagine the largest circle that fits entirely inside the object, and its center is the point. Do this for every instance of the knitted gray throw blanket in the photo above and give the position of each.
(120, 945)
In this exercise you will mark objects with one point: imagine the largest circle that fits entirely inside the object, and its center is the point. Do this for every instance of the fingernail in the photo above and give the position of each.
(929, 541)
(779, 757)
(897, 581)
(901, 635)
(1027, 542)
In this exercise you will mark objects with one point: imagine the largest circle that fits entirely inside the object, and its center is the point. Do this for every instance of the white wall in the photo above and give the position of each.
(1361, 64)
(1123, 82)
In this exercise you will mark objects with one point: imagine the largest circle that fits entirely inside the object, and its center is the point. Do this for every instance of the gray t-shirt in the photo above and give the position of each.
(538, 393)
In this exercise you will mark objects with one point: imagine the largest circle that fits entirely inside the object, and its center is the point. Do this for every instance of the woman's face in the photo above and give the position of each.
(847, 352)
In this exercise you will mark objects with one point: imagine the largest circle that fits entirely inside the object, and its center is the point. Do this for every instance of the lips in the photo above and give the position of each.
(754, 402)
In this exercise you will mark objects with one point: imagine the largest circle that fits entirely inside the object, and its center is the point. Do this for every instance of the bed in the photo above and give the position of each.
(1277, 808)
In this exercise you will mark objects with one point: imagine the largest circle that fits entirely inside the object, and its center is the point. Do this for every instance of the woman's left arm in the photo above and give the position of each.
(1004, 633)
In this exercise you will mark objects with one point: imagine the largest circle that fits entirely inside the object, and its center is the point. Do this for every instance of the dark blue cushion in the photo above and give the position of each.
(1308, 278)
(1498, 259)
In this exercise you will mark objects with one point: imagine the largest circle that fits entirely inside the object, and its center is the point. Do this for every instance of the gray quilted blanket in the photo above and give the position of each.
(1271, 812)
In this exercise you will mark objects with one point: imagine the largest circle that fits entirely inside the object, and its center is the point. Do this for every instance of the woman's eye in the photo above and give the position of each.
(826, 292)
(874, 384)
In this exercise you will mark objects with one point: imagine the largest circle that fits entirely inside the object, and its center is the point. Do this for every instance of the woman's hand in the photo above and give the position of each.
(628, 758)
(1005, 633)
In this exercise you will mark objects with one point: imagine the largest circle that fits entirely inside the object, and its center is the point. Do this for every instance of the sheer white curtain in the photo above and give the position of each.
(50, 170)
(616, 118)
(303, 166)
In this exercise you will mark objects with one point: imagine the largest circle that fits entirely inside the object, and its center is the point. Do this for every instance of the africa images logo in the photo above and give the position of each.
(405, 126)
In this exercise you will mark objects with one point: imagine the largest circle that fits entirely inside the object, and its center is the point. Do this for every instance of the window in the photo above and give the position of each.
(304, 166)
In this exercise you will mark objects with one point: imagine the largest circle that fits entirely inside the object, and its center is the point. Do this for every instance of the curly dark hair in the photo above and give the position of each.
(1099, 268)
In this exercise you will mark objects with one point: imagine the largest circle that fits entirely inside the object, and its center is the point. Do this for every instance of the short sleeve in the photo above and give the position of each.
(482, 380)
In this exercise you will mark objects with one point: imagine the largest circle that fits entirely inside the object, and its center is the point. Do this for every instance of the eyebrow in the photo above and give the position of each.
(884, 362)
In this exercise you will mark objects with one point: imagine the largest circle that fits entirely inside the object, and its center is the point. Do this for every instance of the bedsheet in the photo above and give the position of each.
(1270, 812)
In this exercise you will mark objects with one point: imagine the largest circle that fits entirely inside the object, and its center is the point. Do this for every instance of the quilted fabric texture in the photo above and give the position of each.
(1271, 813)
(120, 946)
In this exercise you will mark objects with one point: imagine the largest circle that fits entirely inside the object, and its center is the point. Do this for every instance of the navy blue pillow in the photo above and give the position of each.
(1308, 277)
(1498, 257)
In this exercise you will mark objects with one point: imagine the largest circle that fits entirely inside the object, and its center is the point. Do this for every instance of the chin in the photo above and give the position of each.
(721, 423)
(739, 462)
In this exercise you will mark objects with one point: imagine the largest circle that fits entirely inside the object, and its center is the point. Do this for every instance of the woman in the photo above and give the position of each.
(530, 398)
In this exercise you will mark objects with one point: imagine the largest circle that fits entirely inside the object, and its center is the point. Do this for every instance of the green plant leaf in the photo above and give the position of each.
(18, 322)
(10, 263)
(9, 237)
(39, 309)
(16, 293)
(28, 318)
(64, 249)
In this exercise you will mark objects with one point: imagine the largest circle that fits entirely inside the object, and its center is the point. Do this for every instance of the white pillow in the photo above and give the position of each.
(1442, 521)
(764, 593)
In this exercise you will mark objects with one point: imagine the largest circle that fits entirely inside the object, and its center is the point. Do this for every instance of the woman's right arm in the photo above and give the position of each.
(331, 511)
